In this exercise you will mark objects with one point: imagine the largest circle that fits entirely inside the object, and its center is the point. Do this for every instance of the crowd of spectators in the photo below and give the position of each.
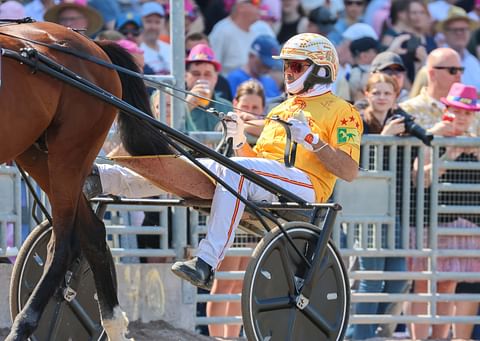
(393, 53)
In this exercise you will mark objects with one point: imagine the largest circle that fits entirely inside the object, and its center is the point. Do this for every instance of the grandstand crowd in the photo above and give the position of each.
(417, 57)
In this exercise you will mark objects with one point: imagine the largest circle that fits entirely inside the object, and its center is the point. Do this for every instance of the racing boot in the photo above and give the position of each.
(195, 271)
(93, 185)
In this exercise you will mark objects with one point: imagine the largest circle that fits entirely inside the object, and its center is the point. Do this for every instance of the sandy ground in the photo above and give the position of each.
(153, 331)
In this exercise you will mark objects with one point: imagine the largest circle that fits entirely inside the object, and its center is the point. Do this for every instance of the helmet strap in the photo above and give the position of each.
(313, 78)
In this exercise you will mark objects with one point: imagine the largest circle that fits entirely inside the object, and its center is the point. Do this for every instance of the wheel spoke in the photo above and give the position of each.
(83, 316)
(318, 320)
(275, 303)
(287, 265)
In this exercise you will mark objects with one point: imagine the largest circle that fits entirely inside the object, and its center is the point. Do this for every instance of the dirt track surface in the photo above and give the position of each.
(153, 331)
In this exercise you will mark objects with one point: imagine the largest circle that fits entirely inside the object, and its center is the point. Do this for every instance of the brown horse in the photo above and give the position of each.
(71, 125)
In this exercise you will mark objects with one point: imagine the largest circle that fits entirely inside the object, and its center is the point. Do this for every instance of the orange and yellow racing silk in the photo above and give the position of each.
(336, 122)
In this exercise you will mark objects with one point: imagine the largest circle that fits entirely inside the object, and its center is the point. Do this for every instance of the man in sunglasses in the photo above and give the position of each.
(443, 68)
(130, 25)
(326, 128)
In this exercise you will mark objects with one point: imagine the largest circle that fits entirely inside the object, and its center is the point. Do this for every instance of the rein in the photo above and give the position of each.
(290, 151)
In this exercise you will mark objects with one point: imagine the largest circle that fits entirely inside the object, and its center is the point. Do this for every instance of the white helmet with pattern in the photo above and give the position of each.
(316, 48)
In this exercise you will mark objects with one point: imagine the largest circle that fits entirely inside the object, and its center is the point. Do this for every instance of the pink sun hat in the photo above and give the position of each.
(462, 96)
(130, 46)
(203, 53)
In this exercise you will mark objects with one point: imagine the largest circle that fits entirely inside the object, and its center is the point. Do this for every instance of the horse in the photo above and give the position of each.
(54, 131)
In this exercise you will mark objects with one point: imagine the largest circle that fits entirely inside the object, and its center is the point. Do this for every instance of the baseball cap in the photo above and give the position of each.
(385, 59)
(323, 18)
(203, 53)
(150, 8)
(126, 18)
(363, 44)
(266, 46)
(359, 30)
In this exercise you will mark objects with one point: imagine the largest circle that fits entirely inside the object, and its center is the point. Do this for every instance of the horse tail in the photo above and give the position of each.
(137, 135)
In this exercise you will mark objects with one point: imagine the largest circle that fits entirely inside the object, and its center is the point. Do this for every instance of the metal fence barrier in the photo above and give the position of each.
(372, 205)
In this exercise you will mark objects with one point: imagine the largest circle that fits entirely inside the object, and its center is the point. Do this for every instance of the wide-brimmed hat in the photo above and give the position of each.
(455, 13)
(203, 53)
(95, 20)
(462, 96)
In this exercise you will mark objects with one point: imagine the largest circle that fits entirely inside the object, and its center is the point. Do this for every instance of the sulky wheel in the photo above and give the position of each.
(273, 280)
(72, 312)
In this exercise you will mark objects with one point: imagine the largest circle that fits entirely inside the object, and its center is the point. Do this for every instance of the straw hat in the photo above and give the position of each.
(95, 20)
(455, 13)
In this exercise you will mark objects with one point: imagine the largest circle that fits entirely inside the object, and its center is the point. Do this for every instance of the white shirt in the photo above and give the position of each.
(36, 10)
(439, 10)
(231, 44)
(158, 59)
(471, 75)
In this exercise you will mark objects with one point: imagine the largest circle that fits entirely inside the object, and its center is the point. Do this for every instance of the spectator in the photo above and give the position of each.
(157, 52)
(36, 9)
(321, 21)
(443, 69)
(12, 10)
(293, 20)
(398, 22)
(134, 50)
(108, 9)
(249, 104)
(419, 43)
(378, 118)
(201, 76)
(77, 15)
(352, 14)
(354, 32)
(474, 14)
(237, 24)
(363, 51)
(461, 103)
(439, 9)
(109, 35)
(271, 13)
(222, 89)
(376, 14)
(457, 29)
(391, 64)
(260, 63)
(130, 25)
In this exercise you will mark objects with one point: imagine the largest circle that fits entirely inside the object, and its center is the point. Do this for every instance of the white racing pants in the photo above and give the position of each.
(226, 209)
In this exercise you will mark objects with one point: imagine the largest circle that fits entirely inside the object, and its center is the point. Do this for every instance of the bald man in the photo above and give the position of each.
(443, 68)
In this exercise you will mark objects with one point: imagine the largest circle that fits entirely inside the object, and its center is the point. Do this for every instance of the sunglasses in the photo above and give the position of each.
(357, 3)
(295, 66)
(134, 32)
(453, 70)
(392, 71)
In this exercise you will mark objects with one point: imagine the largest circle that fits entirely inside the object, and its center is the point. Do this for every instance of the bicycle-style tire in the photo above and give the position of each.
(75, 320)
(274, 276)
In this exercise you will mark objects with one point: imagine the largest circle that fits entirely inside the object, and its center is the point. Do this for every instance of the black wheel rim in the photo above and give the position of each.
(277, 278)
(78, 319)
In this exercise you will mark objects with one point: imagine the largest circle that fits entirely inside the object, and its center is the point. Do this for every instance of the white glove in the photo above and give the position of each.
(302, 134)
(235, 130)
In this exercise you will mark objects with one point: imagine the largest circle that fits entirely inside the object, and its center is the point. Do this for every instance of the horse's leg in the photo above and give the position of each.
(93, 243)
(60, 248)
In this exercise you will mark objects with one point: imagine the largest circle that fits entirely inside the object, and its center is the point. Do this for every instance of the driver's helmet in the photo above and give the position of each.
(314, 47)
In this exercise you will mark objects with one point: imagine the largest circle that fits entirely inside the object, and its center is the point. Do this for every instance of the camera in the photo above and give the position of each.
(411, 127)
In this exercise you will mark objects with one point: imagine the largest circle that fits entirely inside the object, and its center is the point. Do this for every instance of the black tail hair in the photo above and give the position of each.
(137, 135)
